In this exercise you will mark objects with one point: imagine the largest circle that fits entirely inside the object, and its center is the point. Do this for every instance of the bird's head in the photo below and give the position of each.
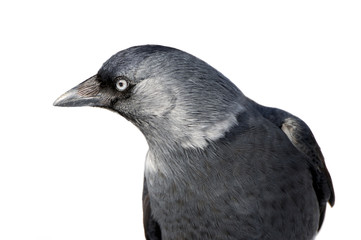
(173, 97)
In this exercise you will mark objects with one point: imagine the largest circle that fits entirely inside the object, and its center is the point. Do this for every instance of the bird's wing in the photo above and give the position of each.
(302, 138)
(151, 227)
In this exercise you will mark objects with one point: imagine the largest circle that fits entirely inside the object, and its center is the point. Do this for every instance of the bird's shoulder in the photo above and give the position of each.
(301, 136)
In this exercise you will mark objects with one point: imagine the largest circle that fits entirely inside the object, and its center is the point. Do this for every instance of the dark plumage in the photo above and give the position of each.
(219, 165)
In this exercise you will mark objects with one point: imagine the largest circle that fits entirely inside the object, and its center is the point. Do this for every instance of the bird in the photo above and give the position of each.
(219, 166)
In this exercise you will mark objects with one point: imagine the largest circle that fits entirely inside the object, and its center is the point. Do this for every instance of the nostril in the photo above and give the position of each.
(89, 88)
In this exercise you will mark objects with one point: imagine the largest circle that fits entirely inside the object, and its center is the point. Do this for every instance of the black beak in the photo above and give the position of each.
(86, 93)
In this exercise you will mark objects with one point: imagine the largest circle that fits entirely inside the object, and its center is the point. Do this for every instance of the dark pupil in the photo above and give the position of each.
(121, 83)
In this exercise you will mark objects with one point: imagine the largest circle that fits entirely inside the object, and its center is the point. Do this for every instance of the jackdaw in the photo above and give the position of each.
(219, 165)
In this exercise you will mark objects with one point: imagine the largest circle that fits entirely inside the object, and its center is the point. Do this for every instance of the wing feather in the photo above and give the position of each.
(151, 227)
(302, 138)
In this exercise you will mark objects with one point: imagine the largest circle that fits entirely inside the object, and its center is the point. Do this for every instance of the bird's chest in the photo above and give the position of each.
(194, 201)
(186, 212)
(231, 200)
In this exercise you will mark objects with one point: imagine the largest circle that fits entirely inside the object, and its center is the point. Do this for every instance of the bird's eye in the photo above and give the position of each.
(121, 84)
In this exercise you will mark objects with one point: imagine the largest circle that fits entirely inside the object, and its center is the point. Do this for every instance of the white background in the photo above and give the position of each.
(76, 173)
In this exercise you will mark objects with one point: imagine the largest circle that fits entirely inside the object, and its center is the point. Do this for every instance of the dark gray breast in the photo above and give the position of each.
(251, 184)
